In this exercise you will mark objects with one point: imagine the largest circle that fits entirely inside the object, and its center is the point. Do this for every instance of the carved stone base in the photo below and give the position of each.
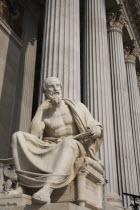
(86, 190)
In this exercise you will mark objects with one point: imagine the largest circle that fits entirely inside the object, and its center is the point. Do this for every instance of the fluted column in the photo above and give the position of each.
(131, 52)
(61, 45)
(97, 83)
(123, 130)
(28, 59)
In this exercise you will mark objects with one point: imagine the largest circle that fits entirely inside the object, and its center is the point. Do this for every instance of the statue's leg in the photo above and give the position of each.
(43, 195)
(70, 151)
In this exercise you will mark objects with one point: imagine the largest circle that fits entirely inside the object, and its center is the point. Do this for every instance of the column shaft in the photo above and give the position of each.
(135, 113)
(131, 52)
(97, 83)
(123, 130)
(61, 45)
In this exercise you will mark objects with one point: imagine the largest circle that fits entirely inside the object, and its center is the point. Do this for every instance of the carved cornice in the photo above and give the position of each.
(116, 19)
(131, 51)
(138, 78)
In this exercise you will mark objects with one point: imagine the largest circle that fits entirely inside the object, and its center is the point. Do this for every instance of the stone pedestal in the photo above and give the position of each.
(86, 192)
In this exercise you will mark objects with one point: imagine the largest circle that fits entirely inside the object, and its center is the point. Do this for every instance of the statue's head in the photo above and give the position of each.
(52, 88)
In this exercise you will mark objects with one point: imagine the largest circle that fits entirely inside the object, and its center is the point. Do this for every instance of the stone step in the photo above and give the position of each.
(51, 206)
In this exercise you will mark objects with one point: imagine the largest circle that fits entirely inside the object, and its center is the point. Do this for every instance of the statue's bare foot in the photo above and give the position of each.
(43, 195)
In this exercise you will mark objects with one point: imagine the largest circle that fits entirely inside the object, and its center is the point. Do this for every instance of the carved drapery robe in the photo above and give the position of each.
(39, 162)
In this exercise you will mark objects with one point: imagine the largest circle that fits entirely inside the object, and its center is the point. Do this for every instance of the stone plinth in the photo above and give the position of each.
(86, 190)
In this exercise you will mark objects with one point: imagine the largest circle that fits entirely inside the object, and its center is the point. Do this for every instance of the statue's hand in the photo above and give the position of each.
(96, 132)
(45, 105)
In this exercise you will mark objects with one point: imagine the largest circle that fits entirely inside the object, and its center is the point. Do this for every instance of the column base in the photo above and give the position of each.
(108, 206)
(114, 201)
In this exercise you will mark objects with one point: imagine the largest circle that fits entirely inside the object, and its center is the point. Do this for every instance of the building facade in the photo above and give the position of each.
(93, 47)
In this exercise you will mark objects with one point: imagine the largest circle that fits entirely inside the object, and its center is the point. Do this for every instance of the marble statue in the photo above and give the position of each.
(63, 134)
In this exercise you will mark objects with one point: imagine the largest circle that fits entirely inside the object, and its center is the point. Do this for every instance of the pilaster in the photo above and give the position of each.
(61, 46)
(127, 174)
(28, 59)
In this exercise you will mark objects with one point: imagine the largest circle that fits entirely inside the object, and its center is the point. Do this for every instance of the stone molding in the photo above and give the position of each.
(131, 51)
(116, 19)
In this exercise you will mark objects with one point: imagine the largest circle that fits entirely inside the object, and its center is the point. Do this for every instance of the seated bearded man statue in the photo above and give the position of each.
(62, 132)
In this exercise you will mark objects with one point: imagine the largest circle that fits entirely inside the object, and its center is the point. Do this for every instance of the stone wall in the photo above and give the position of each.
(10, 48)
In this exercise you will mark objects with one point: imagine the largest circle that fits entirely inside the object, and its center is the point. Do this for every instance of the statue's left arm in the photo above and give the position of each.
(96, 132)
(91, 123)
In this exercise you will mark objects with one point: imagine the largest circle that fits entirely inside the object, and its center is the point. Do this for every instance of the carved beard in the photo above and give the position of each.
(55, 98)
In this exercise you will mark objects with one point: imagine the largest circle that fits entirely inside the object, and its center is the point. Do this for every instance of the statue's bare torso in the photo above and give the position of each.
(59, 122)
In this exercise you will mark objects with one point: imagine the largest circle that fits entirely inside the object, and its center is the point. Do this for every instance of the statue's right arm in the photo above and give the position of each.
(37, 124)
